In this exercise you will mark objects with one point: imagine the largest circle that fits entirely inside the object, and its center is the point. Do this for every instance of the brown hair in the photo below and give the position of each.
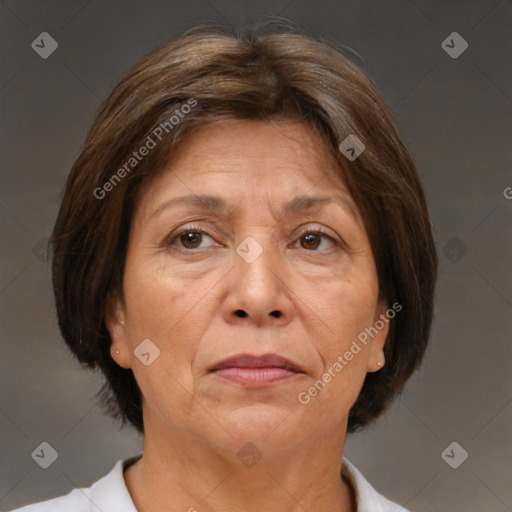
(269, 70)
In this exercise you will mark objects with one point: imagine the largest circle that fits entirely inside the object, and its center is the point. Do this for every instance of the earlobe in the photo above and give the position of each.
(380, 362)
(115, 323)
(376, 364)
(376, 361)
(120, 356)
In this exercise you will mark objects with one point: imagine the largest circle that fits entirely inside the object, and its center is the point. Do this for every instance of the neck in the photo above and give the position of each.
(189, 475)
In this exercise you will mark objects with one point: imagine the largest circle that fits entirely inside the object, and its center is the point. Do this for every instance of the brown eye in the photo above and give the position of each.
(311, 241)
(191, 239)
(188, 239)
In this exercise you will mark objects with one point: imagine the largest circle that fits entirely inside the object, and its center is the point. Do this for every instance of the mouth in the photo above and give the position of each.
(256, 371)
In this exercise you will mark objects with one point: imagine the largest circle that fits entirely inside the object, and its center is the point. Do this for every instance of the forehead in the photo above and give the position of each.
(256, 140)
(244, 157)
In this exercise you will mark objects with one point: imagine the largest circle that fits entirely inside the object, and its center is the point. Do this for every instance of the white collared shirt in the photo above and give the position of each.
(110, 494)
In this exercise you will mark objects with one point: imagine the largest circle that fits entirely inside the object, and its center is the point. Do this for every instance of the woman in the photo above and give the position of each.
(244, 250)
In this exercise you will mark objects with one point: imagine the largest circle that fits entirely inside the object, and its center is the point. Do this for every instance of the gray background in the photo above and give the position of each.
(455, 115)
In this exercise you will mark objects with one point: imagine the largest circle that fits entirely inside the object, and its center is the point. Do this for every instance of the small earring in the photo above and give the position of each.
(117, 351)
(379, 363)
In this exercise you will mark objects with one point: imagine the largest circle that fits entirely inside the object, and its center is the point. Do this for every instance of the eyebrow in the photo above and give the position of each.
(297, 204)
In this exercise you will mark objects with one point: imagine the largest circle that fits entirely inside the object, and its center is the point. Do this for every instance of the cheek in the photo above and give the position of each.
(157, 299)
(345, 307)
(173, 311)
(338, 382)
(166, 311)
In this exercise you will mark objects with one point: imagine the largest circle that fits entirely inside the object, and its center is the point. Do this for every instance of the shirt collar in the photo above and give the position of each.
(367, 498)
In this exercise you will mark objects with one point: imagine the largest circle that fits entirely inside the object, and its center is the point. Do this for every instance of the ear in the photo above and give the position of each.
(115, 322)
(376, 360)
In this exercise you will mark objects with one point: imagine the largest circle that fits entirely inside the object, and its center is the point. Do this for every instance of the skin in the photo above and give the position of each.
(184, 297)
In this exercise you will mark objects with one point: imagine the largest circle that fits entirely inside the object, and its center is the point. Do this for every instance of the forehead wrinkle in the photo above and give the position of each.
(308, 147)
(218, 206)
(301, 158)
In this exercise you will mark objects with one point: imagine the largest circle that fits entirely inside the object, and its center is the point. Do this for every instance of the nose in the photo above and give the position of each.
(258, 291)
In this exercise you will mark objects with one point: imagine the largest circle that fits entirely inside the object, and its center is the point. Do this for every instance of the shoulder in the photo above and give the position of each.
(368, 499)
(108, 494)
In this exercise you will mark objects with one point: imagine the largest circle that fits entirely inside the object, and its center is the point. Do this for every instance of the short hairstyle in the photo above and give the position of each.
(268, 70)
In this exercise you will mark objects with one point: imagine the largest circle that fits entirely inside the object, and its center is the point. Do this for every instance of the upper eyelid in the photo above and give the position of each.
(186, 228)
(171, 238)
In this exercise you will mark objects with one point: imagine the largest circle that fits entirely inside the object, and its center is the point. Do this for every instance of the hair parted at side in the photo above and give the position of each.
(269, 70)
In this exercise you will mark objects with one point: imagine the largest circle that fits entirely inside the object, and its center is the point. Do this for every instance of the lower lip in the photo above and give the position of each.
(256, 377)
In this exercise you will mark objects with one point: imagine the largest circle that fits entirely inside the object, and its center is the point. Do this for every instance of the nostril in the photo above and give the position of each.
(240, 313)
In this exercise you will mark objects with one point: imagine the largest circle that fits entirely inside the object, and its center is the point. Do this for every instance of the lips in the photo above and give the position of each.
(251, 371)
(263, 361)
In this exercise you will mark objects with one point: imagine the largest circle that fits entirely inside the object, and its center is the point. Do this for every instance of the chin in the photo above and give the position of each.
(264, 425)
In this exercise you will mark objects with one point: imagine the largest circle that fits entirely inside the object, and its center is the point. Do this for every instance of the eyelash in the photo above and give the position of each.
(173, 237)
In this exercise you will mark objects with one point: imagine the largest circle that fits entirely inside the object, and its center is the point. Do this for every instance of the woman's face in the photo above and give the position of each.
(246, 273)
